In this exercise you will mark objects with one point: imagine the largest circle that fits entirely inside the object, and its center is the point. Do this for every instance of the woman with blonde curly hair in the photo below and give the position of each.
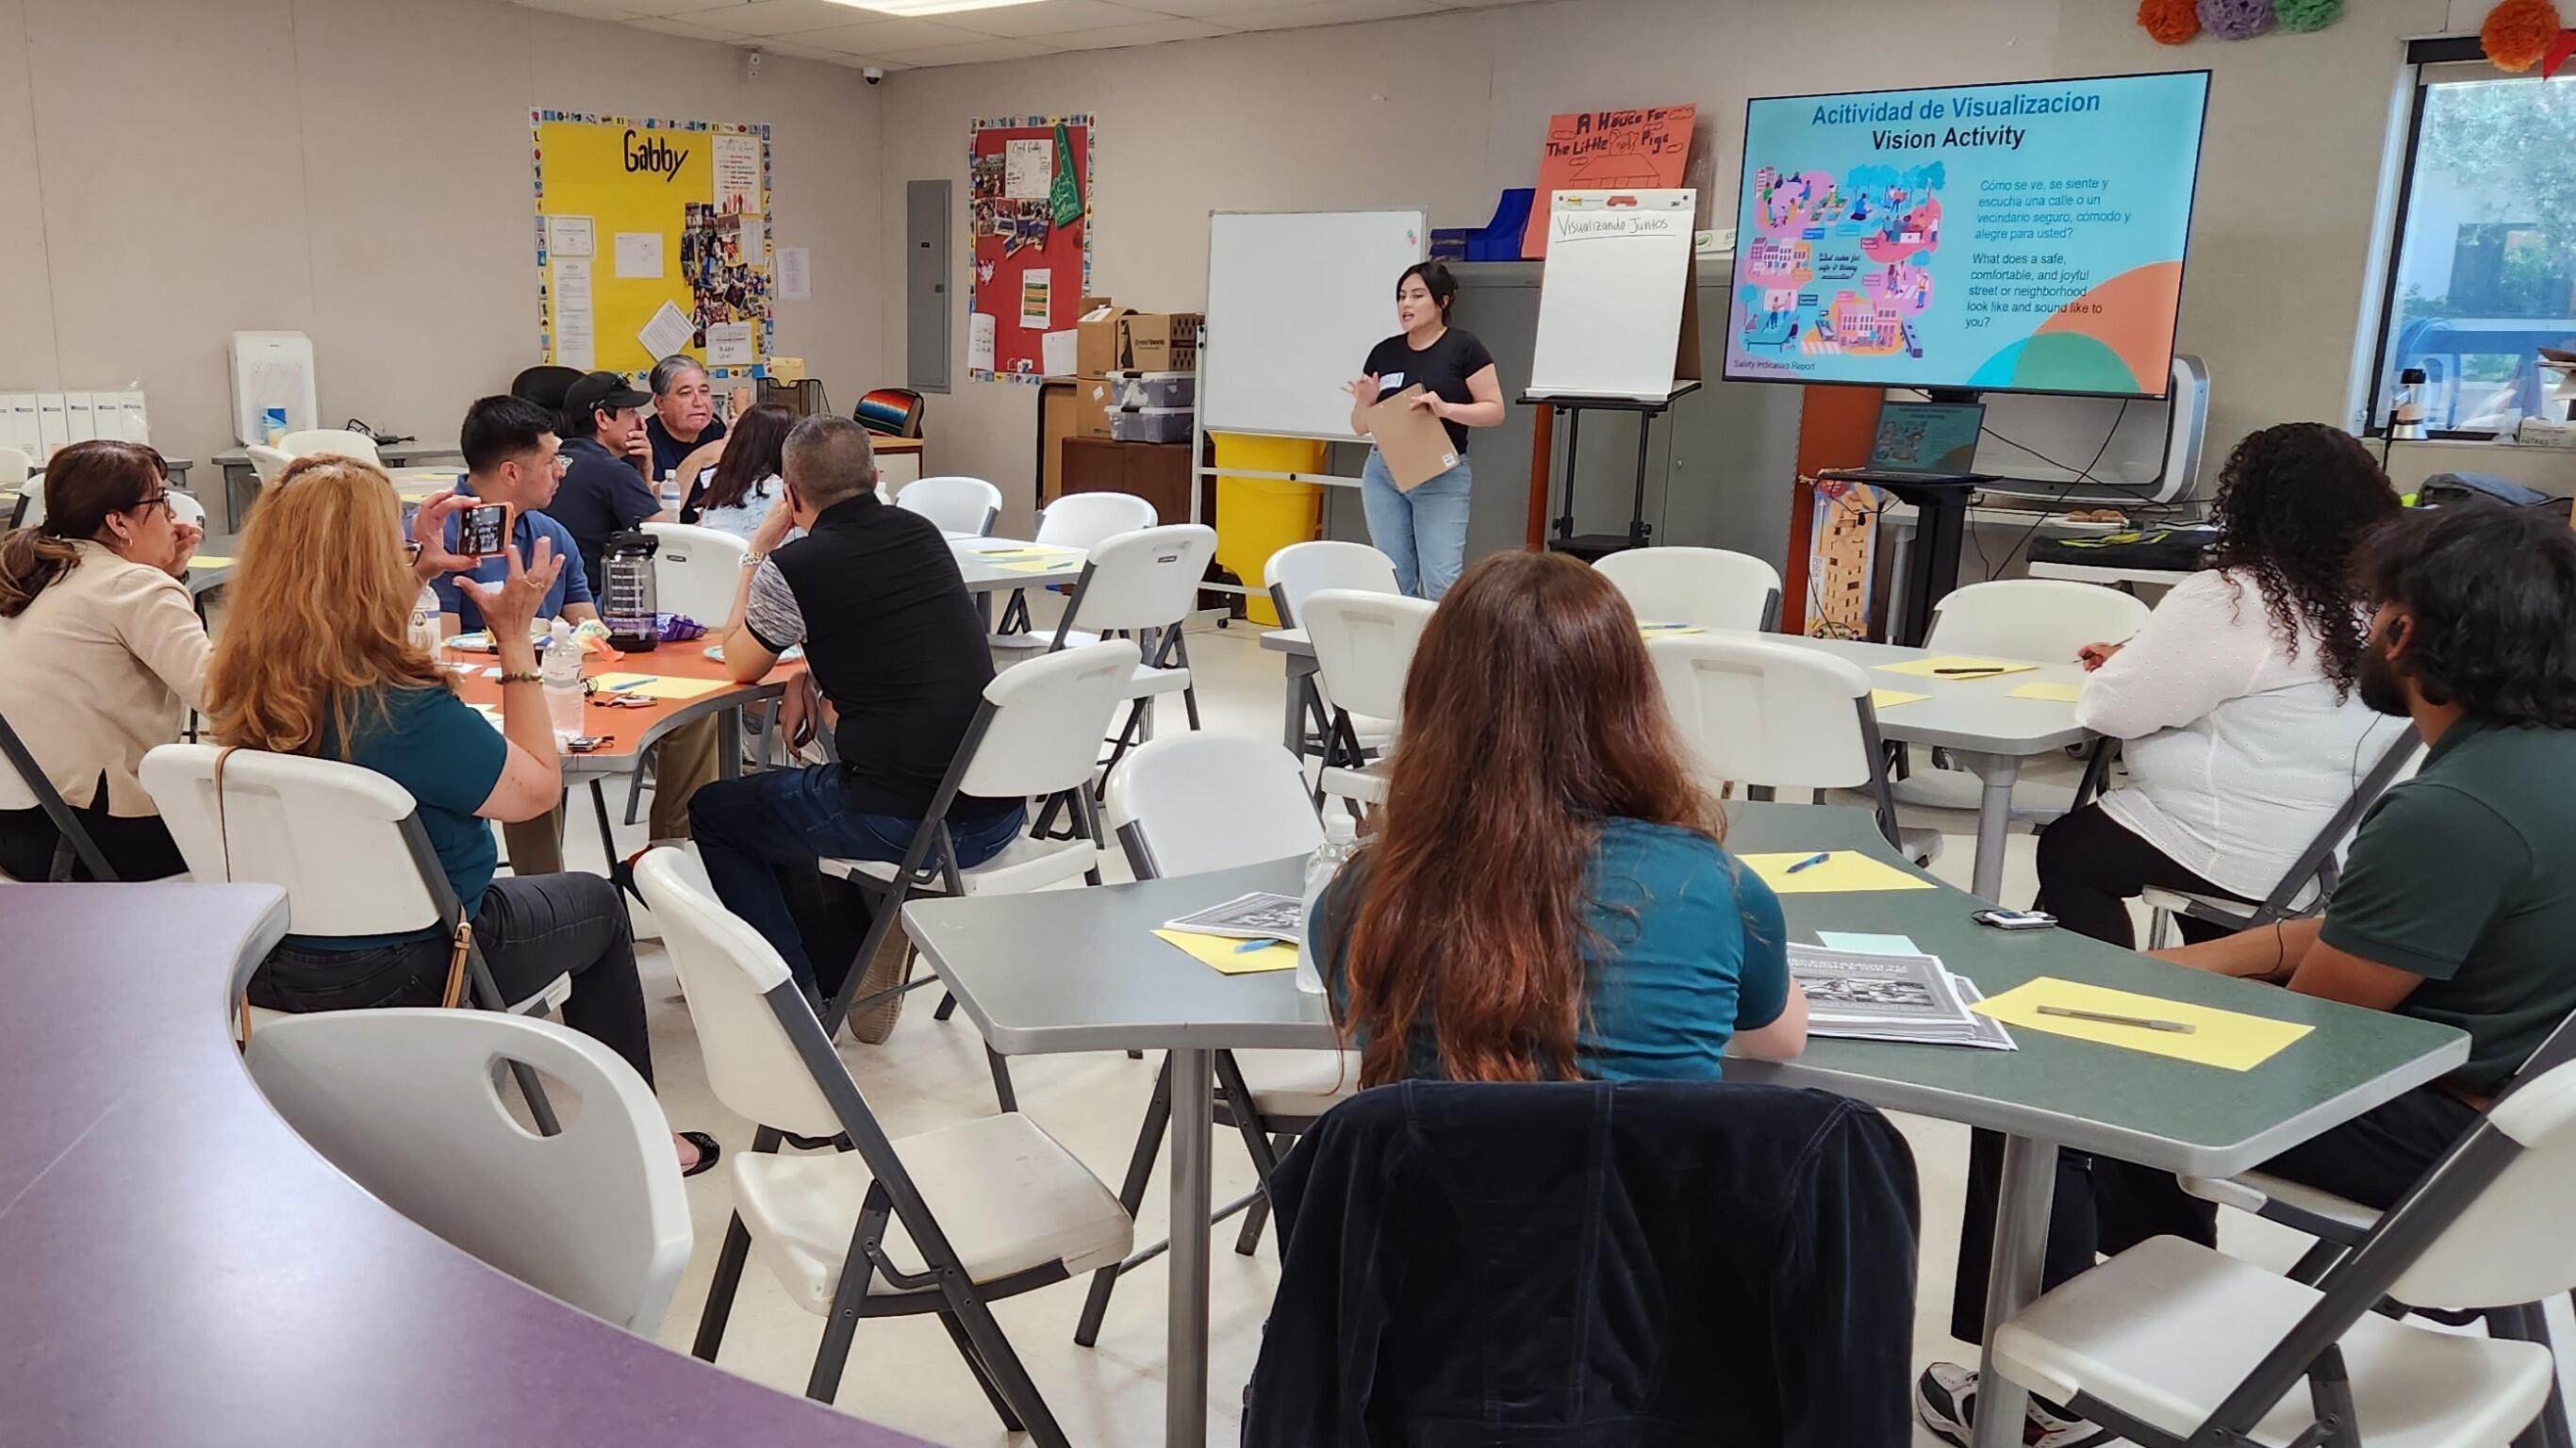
(316, 659)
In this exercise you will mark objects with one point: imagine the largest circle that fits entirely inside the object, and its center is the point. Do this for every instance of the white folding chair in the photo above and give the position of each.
(402, 1101)
(185, 509)
(1142, 585)
(1702, 587)
(268, 463)
(31, 503)
(949, 1221)
(14, 467)
(1300, 571)
(1184, 805)
(1074, 520)
(957, 505)
(1028, 740)
(1772, 716)
(696, 570)
(2171, 1343)
(2303, 887)
(331, 441)
(1364, 645)
(2041, 620)
(346, 845)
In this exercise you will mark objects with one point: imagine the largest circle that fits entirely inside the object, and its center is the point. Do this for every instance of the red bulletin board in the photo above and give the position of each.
(1031, 257)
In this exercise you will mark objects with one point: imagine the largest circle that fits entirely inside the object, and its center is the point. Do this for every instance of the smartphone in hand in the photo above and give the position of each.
(483, 531)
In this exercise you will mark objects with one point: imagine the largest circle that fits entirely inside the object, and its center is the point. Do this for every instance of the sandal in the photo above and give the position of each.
(708, 1151)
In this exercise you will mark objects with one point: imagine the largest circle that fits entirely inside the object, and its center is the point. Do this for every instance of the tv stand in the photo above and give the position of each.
(1941, 525)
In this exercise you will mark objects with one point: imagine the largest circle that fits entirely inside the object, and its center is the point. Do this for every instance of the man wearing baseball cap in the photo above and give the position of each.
(605, 451)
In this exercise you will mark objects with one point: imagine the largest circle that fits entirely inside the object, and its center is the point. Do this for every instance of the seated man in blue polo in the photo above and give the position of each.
(606, 453)
(512, 456)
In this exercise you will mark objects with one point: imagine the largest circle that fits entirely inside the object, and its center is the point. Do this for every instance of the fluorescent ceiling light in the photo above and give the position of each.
(929, 7)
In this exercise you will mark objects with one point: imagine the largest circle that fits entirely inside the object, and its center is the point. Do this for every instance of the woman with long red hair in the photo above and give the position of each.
(1549, 897)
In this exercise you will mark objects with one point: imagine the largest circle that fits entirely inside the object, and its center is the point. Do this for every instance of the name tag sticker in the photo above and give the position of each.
(1390, 383)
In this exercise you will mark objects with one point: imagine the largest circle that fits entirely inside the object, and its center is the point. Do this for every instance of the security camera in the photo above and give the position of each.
(875, 74)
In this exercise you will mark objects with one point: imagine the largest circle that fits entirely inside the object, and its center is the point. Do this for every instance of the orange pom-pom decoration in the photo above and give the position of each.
(2171, 22)
(2518, 33)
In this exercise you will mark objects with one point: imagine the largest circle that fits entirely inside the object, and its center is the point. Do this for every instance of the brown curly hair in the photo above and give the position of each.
(2294, 503)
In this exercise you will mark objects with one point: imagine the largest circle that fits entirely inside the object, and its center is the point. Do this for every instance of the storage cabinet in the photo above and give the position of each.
(1158, 472)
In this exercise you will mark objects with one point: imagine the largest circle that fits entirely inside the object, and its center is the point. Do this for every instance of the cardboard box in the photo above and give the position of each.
(1094, 398)
(1095, 347)
(1414, 443)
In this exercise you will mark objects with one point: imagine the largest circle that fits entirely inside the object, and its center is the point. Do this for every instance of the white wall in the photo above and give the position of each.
(177, 170)
(1449, 109)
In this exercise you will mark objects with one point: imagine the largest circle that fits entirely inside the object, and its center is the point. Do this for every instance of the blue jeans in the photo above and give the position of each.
(1424, 531)
(762, 835)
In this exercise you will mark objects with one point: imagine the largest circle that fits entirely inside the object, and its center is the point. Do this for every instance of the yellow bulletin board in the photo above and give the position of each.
(652, 238)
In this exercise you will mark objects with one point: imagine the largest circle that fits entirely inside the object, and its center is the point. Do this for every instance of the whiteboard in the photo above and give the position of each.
(1295, 301)
(1610, 301)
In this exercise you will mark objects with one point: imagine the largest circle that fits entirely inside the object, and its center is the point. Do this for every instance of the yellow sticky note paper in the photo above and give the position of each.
(1890, 698)
(2053, 693)
(1958, 666)
(1226, 953)
(1042, 565)
(2231, 1040)
(209, 560)
(656, 686)
(1840, 872)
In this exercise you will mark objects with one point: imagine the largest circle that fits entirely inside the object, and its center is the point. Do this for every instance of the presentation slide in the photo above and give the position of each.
(2021, 237)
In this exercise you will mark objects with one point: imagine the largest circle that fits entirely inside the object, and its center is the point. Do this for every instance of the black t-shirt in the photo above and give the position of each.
(1442, 368)
(668, 451)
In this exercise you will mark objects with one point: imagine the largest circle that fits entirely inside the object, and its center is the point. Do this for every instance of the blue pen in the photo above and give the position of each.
(1249, 946)
(1817, 858)
(633, 684)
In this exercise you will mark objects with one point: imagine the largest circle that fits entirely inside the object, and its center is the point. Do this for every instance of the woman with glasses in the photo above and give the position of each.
(100, 651)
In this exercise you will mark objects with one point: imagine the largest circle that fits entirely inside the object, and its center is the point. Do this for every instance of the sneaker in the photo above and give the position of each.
(872, 1024)
(1945, 1398)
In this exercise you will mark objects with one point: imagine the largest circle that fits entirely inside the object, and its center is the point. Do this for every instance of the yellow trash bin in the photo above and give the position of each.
(1256, 517)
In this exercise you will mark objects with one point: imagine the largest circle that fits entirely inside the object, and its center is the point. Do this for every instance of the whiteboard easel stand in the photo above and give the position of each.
(1202, 473)
(1592, 546)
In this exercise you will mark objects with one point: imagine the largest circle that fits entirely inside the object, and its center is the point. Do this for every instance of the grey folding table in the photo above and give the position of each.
(989, 567)
(1077, 970)
(1987, 730)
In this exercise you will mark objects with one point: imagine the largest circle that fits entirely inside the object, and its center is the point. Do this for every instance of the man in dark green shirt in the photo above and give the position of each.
(2458, 903)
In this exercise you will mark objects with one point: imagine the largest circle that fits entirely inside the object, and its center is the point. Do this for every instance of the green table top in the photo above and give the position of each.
(1076, 970)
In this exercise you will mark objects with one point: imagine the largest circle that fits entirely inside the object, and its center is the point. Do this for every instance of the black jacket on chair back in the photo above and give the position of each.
(1589, 1265)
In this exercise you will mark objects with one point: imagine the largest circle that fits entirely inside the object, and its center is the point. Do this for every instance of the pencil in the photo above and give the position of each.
(2180, 1028)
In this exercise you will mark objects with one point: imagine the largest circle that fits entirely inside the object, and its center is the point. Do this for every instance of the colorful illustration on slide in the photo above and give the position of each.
(1839, 265)
(2113, 338)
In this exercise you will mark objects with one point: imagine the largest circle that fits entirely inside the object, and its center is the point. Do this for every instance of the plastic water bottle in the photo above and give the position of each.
(424, 621)
(1341, 841)
(272, 425)
(562, 671)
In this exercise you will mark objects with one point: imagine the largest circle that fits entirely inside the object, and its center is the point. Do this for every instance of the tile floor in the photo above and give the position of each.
(904, 1372)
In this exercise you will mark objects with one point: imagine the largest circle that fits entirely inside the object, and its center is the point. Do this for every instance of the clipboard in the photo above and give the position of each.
(1414, 443)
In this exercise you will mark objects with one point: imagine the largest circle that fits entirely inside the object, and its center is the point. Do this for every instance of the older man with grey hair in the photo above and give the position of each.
(893, 640)
(684, 420)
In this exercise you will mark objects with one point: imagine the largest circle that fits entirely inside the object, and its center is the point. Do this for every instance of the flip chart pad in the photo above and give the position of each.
(1615, 296)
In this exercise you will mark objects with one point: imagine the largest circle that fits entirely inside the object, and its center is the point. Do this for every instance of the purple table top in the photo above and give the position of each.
(182, 1268)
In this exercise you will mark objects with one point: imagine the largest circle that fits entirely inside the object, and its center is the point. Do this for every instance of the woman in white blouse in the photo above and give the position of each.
(737, 490)
(2236, 698)
(100, 647)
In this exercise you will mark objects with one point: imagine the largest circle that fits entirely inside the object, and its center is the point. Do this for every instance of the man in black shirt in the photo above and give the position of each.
(603, 492)
(895, 643)
(684, 412)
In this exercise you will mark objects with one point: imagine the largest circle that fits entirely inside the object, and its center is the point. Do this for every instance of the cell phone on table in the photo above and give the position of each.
(585, 743)
(2015, 919)
(483, 530)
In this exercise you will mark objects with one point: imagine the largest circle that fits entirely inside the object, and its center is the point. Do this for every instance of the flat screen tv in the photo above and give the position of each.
(2025, 237)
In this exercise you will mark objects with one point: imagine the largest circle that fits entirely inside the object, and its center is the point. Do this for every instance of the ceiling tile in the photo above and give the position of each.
(1152, 32)
(584, 9)
(771, 17)
(991, 47)
(673, 7)
(1052, 17)
(1321, 12)
(886, 35)
(680, 25)
(1217, 10)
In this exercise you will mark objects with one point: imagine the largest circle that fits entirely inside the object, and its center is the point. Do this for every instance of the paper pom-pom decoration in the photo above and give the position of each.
(2519, 32)
(2171, 22)
(2236, 19)
(2307, 14)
